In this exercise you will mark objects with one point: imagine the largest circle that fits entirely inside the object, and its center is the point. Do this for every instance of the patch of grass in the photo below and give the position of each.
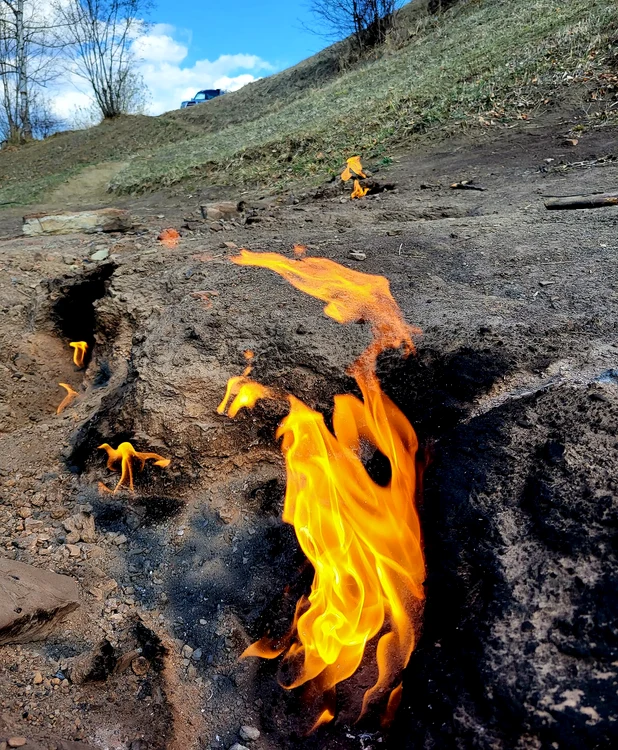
(25, 192)
(484, 61)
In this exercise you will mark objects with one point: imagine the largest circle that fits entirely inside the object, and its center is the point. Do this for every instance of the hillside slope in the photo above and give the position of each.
(482, 62)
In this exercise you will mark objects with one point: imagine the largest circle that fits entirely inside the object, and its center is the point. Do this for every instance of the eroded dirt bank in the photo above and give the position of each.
(513, 392)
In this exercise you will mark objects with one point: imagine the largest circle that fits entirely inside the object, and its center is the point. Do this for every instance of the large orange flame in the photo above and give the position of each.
(126, 454)
(362, 538)
(79, 352)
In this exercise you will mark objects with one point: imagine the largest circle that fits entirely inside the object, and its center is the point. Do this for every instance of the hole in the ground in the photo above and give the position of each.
(112, 423)
(73, 311)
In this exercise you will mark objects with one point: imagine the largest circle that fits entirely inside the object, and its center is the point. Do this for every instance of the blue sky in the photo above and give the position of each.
(191, 45)
(271, 30)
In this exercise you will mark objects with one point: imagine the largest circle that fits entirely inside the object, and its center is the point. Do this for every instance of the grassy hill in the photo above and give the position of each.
(482, 63)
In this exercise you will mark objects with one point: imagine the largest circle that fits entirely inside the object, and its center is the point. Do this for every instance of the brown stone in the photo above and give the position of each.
(140, 666)
(98, 220)
(32, 601)
(221, 210)
(80, 527)
(16, 741)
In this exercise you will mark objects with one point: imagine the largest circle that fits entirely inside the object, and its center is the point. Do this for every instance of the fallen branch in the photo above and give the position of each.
(596, 200)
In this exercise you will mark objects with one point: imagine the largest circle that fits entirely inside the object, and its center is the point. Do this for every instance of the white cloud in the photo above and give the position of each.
(161, 58)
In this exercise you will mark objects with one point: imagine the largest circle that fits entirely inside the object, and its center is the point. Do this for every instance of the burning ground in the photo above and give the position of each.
(512, 393)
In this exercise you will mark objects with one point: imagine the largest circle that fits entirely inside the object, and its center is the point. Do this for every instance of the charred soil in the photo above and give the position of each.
(513, 393)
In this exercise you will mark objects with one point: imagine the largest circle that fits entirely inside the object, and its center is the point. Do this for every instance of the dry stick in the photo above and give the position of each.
(596, 200)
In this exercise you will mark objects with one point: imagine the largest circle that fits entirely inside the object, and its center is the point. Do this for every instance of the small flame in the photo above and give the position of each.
(362, 538)
(126, 454)
(169, 237)
(326, 716)
(71, 394)
(354, 168)
(79, 353)
(394, 699)
(358, 192)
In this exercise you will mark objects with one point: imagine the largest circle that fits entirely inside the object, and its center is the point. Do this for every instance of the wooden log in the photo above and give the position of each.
(594, 200)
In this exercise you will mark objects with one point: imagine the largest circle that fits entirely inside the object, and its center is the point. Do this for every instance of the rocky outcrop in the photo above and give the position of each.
(32, 601)
(99, 220)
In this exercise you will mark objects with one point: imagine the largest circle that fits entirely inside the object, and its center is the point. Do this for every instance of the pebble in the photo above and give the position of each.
(238, 746)
(249, 733)
(100, 254)
(38, 678)
(197, 654)
(16, 741)
(140, 666)
(187, 651)
(356, 255)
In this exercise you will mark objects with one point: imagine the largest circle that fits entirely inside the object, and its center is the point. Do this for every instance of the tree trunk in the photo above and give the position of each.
(25, 127)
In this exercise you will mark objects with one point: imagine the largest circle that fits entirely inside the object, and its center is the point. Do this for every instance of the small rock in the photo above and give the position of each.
(217, 211)
(140, 666)
(25, 512)
(100, 254)
(74, 550)
(197, 654)
(238, 746)
(249, 733)
(38, 678)
(16, 741)
(357, 255)
(230, 245)
(187, 651)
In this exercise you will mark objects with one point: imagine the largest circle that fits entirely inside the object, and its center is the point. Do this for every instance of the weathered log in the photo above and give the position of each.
(32, 601)
(99, 220)
(595, 200)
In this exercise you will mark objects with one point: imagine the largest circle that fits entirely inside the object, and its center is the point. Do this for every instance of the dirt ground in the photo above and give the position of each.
(513, 393)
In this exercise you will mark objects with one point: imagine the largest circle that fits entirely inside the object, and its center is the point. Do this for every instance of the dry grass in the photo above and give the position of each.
(484, 61)
(488, 60)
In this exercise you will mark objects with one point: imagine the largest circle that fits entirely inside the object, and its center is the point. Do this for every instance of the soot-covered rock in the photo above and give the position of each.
(521, 626)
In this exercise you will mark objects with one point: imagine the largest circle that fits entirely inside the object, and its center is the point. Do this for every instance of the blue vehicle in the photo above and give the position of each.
(202, 96)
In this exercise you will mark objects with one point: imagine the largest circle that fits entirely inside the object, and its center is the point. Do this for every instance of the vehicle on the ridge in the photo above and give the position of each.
(202, 96)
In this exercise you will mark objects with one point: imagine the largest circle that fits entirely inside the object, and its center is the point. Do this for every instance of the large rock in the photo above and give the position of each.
(32, 601)
(99, 220)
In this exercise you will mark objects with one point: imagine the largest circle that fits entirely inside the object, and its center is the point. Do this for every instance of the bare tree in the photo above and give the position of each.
(367, 21)
(101, 34)
(29, 50)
